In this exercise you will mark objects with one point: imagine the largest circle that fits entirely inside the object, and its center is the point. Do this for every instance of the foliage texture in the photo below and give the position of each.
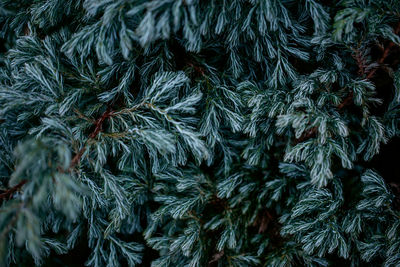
(199, 133)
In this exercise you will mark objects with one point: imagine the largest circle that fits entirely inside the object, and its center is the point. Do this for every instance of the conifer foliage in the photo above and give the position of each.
(199, 132)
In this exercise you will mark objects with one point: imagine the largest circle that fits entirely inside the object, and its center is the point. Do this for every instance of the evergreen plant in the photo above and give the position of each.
(199, 133)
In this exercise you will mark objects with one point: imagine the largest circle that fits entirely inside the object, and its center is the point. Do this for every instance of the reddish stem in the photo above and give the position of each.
(99, 123)
(371, 74)
(361, 67)
(8, 193)
(98, 128)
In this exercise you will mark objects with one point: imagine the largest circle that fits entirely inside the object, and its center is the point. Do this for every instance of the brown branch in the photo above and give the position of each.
(361, 66)
(8, 193)
(362, 72)
(99, 123)
(385, 52)
(266, 218)
(27, 30)
(98, 128)
(361, 62)
(198, 69)
(82, 116)
(346, 101)
(267, 223)
(306, 135)
(216, 257)
(75, 160)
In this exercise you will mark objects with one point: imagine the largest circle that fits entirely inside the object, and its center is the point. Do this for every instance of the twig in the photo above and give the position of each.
(8, 193)
(371, 74)
(216, 257)
(306, 135)
(346, 101)
(98, 128)
(99, 123)
(361, 71)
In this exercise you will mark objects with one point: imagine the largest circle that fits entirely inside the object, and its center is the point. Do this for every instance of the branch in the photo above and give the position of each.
(216, 257)
(362, 72)
(8, 193)
(346, 101)
(75, 160)
(98, 128)
(99, 123)
(306, 135)
(371, 74)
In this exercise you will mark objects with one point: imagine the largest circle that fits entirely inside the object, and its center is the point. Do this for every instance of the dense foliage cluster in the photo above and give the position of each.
(199, 132)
